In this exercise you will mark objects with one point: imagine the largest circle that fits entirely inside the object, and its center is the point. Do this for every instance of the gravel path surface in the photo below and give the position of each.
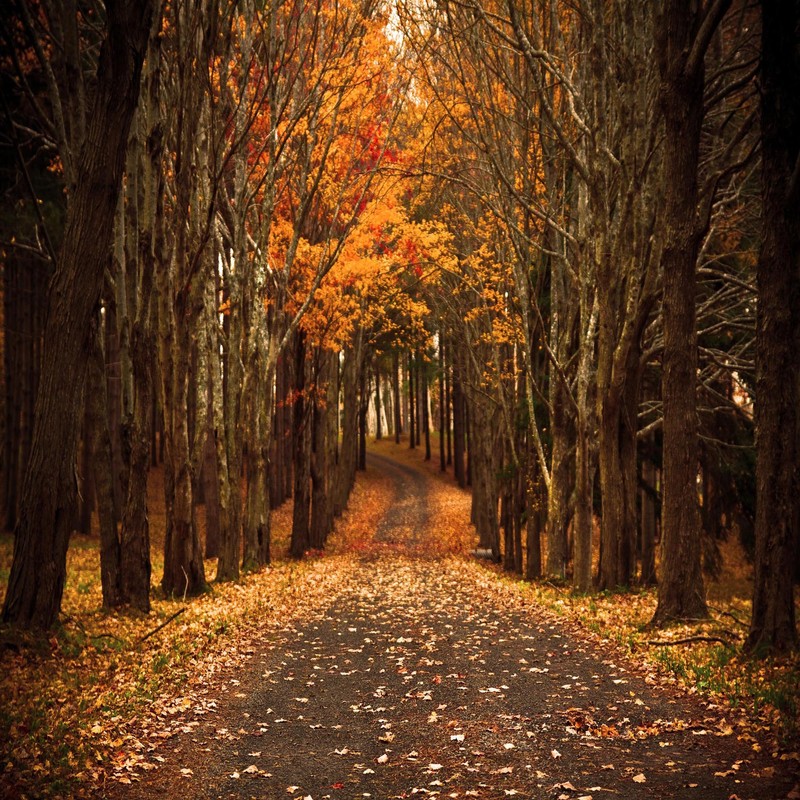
(417, 681)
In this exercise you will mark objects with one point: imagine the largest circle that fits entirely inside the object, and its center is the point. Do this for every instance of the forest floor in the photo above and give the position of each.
(395, 665)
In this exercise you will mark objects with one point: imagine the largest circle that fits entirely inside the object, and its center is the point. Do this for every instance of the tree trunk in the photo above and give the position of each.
(301, 437)
(363, 408)
(648, 521)
(562, 462)
(321, 462)
(38, 570)
(135, 533)
(681, 593)
(378, 409)
(398, 418)
(459, 431)
(412, 417)
(102, 463)
(773, 626)
(426, 426)
(442, 455)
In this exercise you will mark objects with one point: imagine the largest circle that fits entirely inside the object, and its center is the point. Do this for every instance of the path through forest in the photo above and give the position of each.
(420, 680)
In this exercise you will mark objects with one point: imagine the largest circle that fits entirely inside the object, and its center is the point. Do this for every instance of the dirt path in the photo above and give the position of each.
(417, 681)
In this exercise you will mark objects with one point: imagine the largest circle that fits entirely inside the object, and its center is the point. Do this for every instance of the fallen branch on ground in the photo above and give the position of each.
(690, 640)
(162, 625)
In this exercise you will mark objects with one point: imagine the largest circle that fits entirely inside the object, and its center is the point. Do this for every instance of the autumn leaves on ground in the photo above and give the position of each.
(393, 665)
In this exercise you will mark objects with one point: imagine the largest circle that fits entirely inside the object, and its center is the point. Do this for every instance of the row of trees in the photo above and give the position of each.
(601, 168)
(553, 211)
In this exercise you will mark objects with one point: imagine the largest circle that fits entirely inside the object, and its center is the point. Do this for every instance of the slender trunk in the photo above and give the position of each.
(378, 409)
(321, 508)
(459, 428)
(135, 532)
(425, 411)
(398, 418)
(648, 521)
(412, 417)
(442, 458)
(561, 486)
(363, 408)
(102, 463)
(301, 437)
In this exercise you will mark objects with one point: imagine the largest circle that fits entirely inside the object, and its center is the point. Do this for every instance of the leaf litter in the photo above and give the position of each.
(373, 635)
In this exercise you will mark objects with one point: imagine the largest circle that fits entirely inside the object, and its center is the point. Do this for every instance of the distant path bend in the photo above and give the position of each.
(406, 520)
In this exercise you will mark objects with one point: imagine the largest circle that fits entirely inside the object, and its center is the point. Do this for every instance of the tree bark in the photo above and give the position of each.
(38, 570)
(681, 593)
(301, 437)
(102, 465)
(398, 418)
(773, 626)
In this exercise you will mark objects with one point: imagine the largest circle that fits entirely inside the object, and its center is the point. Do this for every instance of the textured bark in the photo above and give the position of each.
(135, 532)
(442, 396)
(102, 464)
(348, 457)
(398, 419)
(301, 438)
(322, 456)
(426, 425)
(648, 522)
(363, 408)
(257, 532)
(459, 430)
(38, 571)
(773, 626)
(561, 487)
(378, 409)
(412, 415)
(681, 593)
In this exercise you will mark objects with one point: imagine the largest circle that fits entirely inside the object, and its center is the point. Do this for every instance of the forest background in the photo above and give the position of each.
(239, 238)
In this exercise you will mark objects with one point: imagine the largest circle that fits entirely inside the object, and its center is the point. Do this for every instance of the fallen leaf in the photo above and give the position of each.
(640, 778)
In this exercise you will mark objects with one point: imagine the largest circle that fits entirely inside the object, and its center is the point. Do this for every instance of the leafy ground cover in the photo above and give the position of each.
(763, 695)
(92, 705)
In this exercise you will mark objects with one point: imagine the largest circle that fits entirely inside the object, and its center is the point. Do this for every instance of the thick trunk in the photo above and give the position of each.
(681, 593)
(38, 570)
(773, 625)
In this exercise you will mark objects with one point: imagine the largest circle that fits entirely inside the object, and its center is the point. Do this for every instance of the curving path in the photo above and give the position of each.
(419, 680)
